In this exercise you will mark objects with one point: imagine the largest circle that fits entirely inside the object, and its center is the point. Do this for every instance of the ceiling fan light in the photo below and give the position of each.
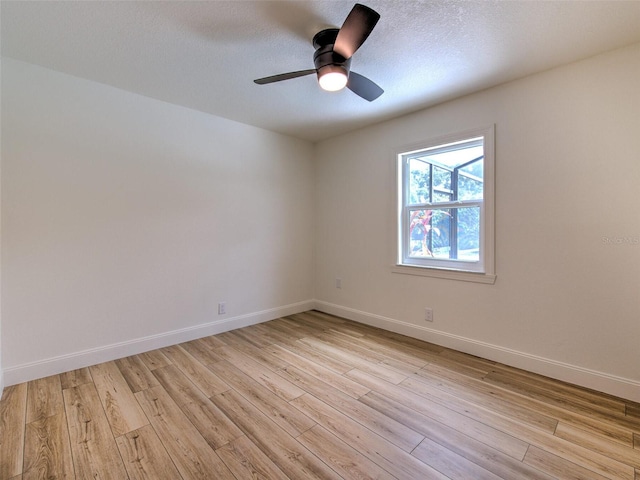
(332, 78)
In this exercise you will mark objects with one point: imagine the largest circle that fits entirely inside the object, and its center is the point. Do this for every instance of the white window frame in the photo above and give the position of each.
(482, 271)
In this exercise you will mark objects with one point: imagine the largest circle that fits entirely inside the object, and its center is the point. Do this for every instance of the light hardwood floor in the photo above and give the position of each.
(312, 396)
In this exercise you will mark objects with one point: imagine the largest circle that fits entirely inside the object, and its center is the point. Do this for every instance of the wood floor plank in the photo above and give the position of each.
(276, 335)
(517, 401)
(632, 409)
(302, 325)
(154, 359)
(409, 344)
(288, 454)
(317, 322)
(145, 458)
(449, 463)
(262, 356)
(123, 412)
(483, 395)
(389, 352)
(461, 368)
(501, 441)
(178, 386)
(350, 344)
(471, 361)
(344, 459)
(311, 324)
(13, 408)
(278, 410)
(247, 335)
(75, 377)
(212, 342)
(476, 451)
(558, 467)
(391, 458)
(245, 460)
(340, 382)
(560, 399)
(288, 328)
(600, 426)
(212, 424)
(93, 448)
(136, 373)
(333, 351)
(372, 362)
(201, 351)
(191, 454)
(271, 380)
(401, 367)
(229, 338)
(572, 452)
(394, 432)
(47, 452)
(621, 453)
(590, 398)
(323, 319)
(516, 427)
(44, 398)
(347, 330)
(303, 351)
(199, 374)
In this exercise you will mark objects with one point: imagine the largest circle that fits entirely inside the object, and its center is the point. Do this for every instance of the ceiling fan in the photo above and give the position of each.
(332, 58)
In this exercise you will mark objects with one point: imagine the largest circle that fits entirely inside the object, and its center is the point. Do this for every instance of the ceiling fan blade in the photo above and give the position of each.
(284, 76)
(355, 30)
(363, 87)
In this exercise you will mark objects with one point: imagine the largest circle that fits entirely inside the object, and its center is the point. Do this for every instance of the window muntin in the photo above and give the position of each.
(443, 194)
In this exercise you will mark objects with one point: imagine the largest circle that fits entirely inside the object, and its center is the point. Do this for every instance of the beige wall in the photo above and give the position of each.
(566, 301)
(125, 221)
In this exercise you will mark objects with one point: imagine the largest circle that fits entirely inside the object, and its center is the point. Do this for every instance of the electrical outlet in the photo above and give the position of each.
(338, 283)
(428, 314)
(222, 308)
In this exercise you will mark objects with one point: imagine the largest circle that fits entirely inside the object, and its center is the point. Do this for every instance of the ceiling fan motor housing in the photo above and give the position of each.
(324, 58)
(334, 48)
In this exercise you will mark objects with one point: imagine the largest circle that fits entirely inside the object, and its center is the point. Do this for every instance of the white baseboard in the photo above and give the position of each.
(1, 384)
(603, 382)
(85, 358)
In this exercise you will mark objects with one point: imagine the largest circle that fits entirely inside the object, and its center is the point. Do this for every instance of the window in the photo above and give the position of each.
(445, 207)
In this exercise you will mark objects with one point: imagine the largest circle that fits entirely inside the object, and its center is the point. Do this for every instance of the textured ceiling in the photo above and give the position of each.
(205, 55)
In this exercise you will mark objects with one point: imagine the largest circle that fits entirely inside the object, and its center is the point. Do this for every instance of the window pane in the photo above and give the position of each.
(433, 234)
(419, 181)
(441, 197)
(429, 233)
(476, 168)
(469, 233)
(469, 188)
(441, 178)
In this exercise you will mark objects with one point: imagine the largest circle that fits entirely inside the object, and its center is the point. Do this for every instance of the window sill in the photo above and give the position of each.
(445, 273)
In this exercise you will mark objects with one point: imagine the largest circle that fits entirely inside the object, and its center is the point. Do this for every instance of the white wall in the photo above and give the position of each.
(125, 221)
(566, 301)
